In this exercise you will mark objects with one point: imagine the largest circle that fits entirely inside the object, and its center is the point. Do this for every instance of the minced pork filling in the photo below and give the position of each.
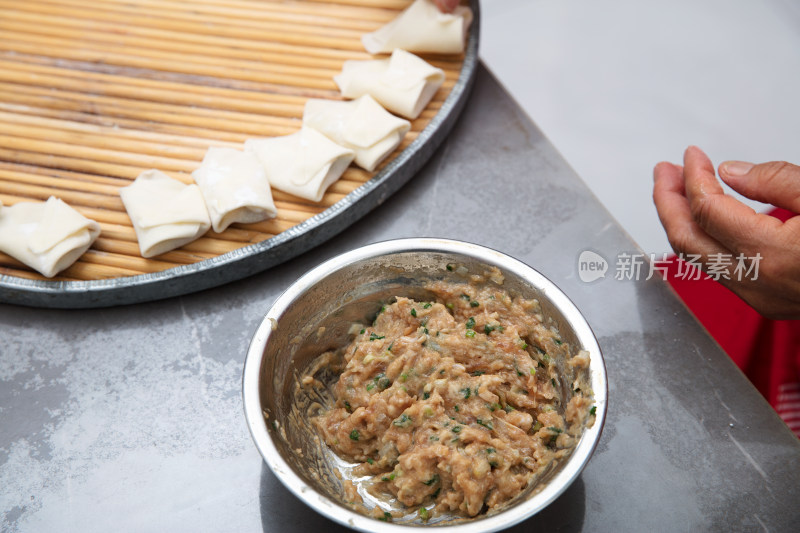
(454, 405)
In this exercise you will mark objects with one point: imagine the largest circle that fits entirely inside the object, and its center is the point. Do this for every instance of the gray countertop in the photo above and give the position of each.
(130, 418)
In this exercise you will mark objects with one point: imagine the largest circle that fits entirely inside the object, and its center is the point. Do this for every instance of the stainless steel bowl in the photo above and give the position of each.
(316, 313)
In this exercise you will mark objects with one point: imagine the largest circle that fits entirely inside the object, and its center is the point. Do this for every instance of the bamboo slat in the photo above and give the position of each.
(92, 94)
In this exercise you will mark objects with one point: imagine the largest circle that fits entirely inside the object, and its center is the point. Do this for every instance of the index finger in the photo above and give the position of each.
(732, 223)
(684, 234)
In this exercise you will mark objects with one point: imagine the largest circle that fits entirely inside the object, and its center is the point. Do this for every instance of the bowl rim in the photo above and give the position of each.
(554, 487)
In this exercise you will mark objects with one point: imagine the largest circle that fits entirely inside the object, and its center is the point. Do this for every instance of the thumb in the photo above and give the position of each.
(776, 183)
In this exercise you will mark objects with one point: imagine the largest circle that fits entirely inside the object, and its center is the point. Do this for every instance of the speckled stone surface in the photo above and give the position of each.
(130, 418)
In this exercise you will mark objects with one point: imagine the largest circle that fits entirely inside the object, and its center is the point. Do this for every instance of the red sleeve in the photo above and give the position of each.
(767, 351)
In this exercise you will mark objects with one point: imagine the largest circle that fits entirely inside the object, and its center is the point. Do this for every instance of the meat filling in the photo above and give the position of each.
(455, 405)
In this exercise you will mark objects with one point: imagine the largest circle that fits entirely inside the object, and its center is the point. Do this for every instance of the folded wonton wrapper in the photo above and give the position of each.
(304, 164)
(422, 28)
(403, 83)
(361, 125)
(165, 212)
(47, 236)
(235, 188)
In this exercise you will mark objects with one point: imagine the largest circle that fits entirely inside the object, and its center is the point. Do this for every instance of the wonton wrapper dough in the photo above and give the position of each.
(361, 125)
(422, 27)
(403, 83)
(47, 236)
(304, 164)
(165, 213)
(235, 188)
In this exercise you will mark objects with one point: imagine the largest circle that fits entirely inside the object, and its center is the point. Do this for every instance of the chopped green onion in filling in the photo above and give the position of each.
(432, 480)
(424, 514)
(403, 421)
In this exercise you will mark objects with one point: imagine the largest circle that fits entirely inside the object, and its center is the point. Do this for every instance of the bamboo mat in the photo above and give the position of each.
(93, 93)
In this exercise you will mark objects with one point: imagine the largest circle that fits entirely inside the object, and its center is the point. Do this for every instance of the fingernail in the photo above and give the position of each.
(737, 168)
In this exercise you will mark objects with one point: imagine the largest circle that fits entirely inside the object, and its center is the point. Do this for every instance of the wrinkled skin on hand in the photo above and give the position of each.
(700, 218)
(446, 6)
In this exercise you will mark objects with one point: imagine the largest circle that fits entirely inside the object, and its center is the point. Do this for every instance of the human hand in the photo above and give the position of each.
(700, 218)
(446, 6)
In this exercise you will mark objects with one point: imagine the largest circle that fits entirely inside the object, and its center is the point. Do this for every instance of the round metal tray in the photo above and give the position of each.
(258, 257)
